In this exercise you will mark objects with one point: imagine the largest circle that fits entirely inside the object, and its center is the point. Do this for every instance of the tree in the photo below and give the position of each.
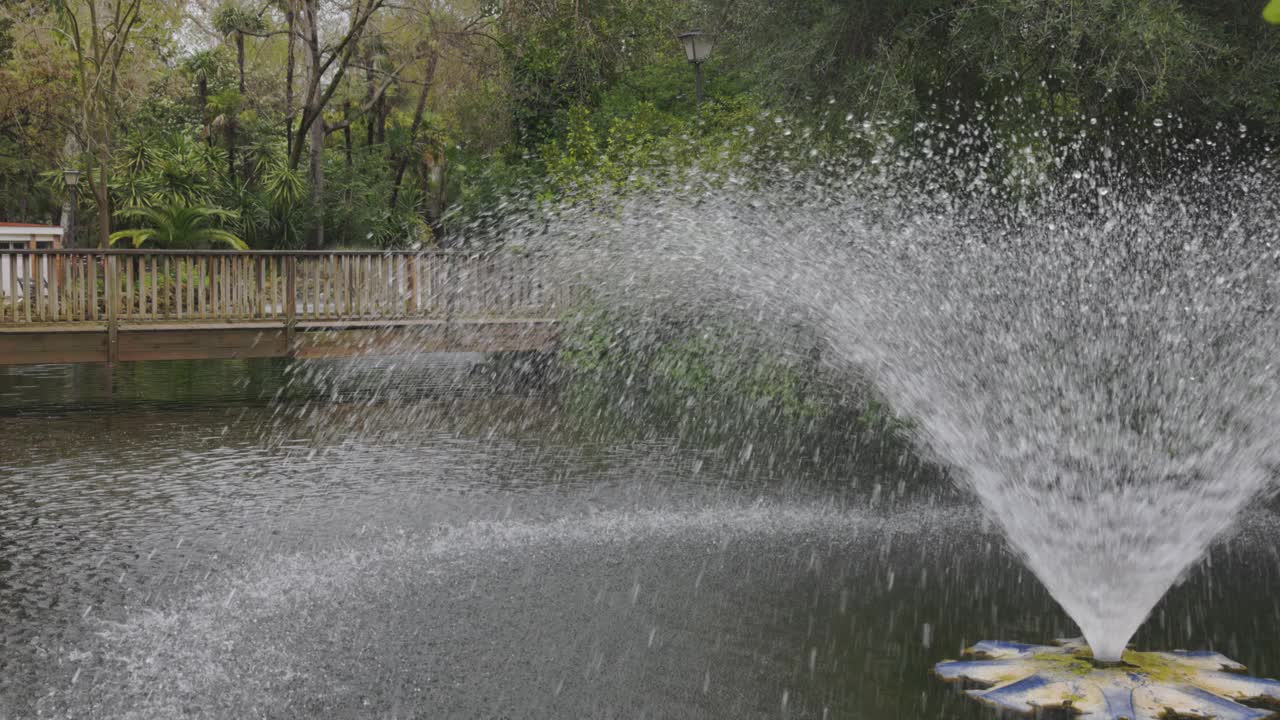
(226, 106)
(326, 63)
(155, 170)
(202, 67)
(38, 102)
(99, 32)
(290, 8)
(234, 22)
(6, 39)
(565, 52)
(1206, 61)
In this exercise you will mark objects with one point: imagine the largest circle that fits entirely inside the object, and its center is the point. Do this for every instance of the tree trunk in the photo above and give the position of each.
(436, 193)
(231, 119)
(311, 124)
(418, 111)
(288, 78)
(102, 197)
(346, 134)
(104, 218)
(369, 99)
(380, 113)
(324, 77)
(231, 148)
(317, 180)
(311, 103)
(202, 94)
(240, 58)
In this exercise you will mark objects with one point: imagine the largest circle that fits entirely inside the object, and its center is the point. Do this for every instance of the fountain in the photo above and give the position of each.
(1090, 350)
(1144, 686)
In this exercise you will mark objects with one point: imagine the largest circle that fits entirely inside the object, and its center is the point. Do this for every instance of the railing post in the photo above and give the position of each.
(450, 295)
(411, 272)
(291, 301)
(113, 305)
(450, 287)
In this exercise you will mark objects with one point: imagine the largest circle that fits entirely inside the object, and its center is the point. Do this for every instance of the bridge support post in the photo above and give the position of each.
(113, 308)
(291, 303)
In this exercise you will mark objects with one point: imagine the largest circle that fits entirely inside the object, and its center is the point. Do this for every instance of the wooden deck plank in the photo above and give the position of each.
(203, 344)
(60, 347)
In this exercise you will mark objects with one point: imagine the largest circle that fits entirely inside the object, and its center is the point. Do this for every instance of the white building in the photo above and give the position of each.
(19, 236)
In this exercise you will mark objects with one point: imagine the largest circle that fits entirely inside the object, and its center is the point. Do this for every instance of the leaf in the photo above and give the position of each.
(136, 237)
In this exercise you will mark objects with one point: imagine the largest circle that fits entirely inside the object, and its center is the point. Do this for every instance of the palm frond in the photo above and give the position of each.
(214, 236)
(136, 237)
(179, 225)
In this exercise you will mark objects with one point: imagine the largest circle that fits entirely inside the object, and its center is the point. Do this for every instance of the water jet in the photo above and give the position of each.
(1093, 360)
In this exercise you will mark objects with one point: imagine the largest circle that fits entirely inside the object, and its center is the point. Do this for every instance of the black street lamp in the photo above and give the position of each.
(71, 177)
(697, 48)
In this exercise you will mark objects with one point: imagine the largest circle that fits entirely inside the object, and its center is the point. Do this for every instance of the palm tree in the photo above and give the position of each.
(233, 21)
(179, 226)
(225, 106)
(202, 66)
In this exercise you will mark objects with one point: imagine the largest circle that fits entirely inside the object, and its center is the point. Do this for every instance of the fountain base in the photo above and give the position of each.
(1063, 680)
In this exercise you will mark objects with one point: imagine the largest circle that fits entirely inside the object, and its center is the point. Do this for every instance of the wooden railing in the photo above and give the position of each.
(156, 286)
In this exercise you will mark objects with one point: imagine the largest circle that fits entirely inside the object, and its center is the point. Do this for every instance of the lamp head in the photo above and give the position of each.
(697, 46)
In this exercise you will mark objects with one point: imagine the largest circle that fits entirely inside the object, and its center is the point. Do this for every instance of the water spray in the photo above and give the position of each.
(1088, 346)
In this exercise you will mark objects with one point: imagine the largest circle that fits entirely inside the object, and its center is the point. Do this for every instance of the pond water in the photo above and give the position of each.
(413, 540)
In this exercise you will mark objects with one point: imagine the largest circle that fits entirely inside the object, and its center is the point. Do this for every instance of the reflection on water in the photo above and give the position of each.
(204, 539)
(45, 389)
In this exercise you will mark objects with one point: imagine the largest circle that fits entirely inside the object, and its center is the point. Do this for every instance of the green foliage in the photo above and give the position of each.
(231, 18)
(711, 387)
(205, 66)
(178, 226)
(647, 126)
(678, 365)
(1109, 55)
(1206, 62)
(803, 51)
(565, 53)
(167, 171)
(710, 363)
(571, 100)
(226, 104)
(277, 213)
(6, 40)
(357, 208)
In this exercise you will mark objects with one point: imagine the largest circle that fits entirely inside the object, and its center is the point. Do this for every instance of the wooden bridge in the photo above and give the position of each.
(69, 306)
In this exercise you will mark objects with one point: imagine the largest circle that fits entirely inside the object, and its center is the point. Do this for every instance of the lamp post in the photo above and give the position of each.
(71, 177)
(697, 48)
